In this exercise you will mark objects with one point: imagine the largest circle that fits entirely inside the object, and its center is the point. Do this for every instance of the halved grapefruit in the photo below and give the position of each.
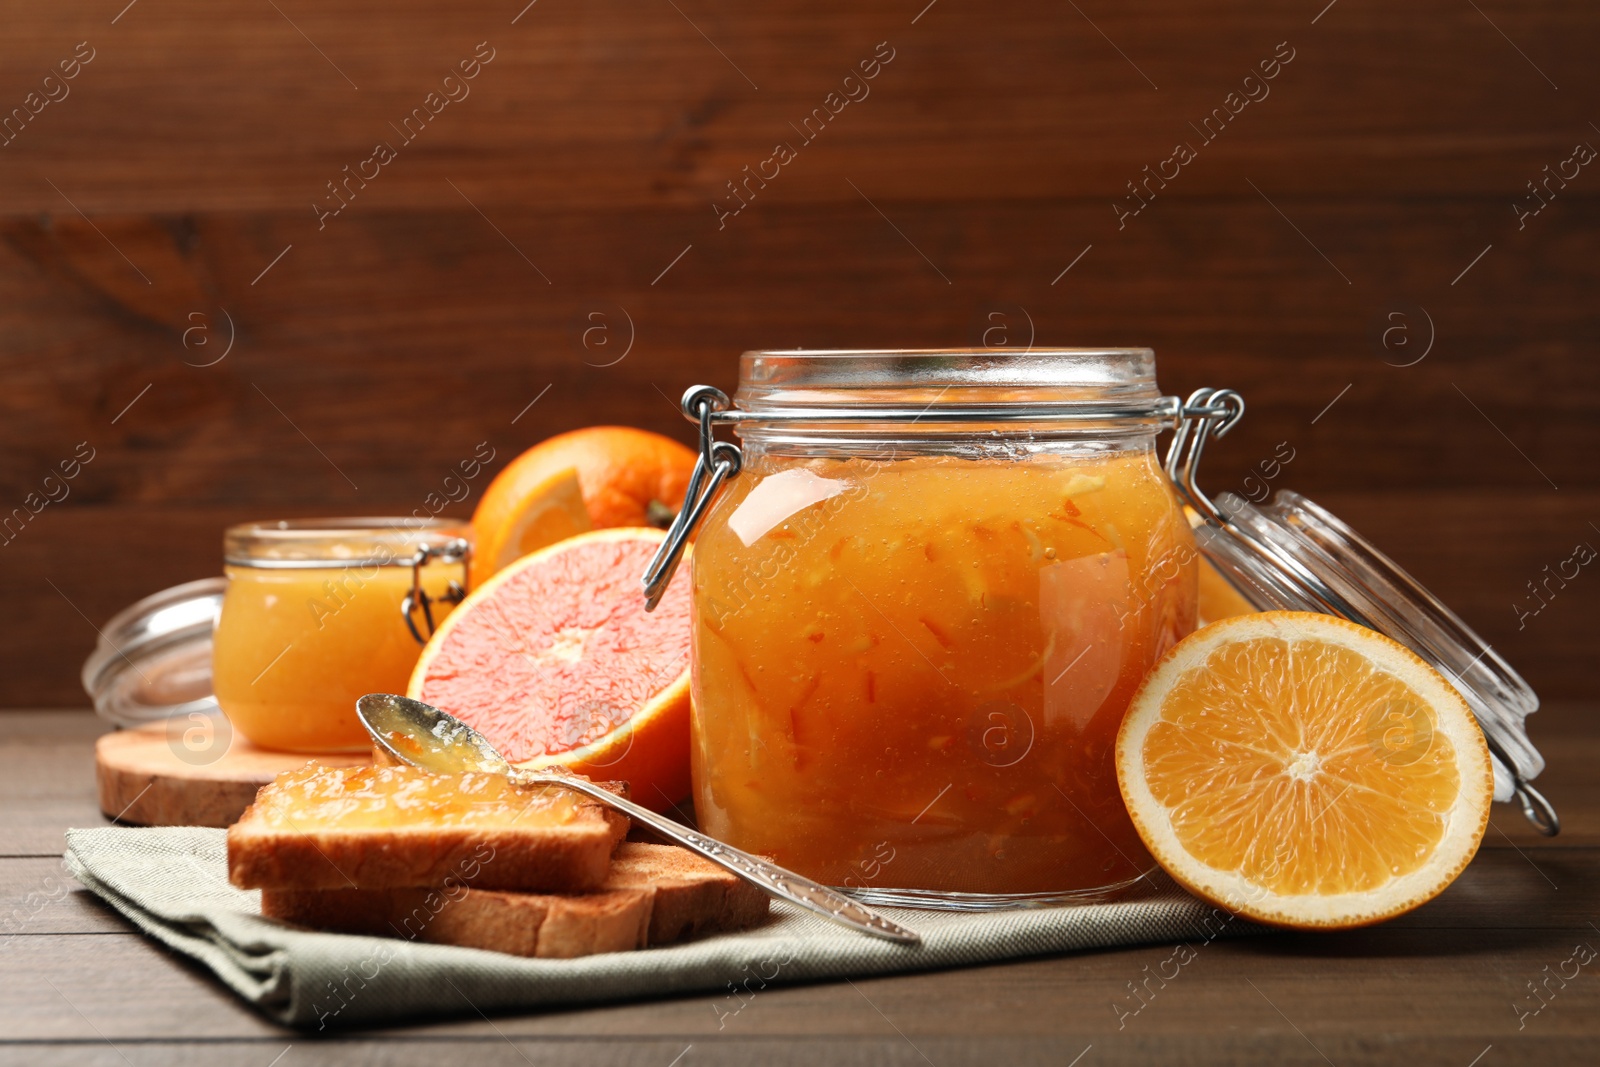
(556, 662)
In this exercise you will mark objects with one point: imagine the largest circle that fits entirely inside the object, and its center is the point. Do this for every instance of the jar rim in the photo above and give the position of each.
(834, 377)
(805, 397)
(345, 541)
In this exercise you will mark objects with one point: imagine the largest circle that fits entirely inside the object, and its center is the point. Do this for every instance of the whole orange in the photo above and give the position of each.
(628, 477)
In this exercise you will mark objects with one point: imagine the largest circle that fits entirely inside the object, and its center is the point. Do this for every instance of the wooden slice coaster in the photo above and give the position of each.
(172, 775)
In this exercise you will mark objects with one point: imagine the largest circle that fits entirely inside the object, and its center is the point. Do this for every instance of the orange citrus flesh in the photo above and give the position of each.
(548, 510)
(556, 662)
(1304, 771)
(626, 477)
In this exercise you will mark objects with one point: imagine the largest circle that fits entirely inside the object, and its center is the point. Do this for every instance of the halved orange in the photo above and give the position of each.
(1304, 771)
(556, 662)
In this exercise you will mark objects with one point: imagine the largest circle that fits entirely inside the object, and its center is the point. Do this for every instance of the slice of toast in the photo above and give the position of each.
(389, 827)
(655, 895)
(692, 894)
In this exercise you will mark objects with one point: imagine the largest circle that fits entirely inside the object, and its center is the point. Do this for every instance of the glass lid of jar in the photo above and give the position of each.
(153, 660)
(1295, 555)
(1292, 555)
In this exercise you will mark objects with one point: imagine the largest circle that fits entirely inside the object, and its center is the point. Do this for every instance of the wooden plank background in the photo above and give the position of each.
(161, 206)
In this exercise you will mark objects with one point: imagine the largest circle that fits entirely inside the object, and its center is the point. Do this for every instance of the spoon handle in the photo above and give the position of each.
(776, 881)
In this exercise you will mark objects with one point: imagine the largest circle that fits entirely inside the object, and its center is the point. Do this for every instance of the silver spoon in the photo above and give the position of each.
(437, 741)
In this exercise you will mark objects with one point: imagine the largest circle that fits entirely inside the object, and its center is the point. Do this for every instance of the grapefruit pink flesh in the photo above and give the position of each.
(555, 660)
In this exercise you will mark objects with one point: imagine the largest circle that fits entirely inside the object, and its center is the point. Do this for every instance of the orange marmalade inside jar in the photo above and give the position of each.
(915, 638)
(312, 620)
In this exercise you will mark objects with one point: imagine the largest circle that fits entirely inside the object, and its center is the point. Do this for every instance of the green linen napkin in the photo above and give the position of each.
(172, 883)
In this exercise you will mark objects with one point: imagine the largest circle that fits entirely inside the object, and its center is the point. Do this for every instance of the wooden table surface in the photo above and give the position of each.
(1448, 984)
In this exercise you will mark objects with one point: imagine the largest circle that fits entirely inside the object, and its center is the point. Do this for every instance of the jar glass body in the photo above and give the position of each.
(913, 646)
(312, 619)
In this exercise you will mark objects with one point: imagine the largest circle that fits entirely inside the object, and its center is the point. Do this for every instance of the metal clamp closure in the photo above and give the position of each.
(1206, 412)
(718, 461)
(1535, 808)
(458, 550)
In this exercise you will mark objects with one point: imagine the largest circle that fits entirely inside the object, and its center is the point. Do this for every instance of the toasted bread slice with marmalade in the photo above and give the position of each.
(390, 827)
(655, 895)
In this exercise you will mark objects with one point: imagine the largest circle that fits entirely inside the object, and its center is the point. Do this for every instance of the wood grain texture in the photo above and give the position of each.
(1401, 983)
(49, 775)
(1247, 1049)
(145, 212)
(619, 104)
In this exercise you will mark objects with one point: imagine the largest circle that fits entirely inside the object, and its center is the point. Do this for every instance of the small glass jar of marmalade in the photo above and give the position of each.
(921, 610)
(320, 612)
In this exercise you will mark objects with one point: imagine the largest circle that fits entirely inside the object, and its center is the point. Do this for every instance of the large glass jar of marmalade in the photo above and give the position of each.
(921, 608)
